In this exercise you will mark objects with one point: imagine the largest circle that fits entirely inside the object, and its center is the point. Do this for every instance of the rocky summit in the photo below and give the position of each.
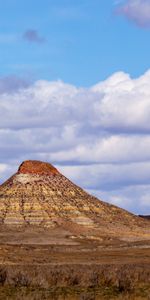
(38, 195)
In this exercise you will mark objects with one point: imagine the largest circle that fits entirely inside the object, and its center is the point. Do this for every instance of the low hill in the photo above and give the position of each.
(38, 197)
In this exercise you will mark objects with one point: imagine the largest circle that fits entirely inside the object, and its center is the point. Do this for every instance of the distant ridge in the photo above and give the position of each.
(144, 217)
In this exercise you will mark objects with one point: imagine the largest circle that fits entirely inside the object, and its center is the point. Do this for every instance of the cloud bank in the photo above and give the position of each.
(137, 11)
(10, 84)
(98, 137)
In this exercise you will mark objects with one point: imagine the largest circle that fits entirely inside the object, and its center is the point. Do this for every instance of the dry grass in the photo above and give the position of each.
(76, 272)
(75, 282)
(100, 293)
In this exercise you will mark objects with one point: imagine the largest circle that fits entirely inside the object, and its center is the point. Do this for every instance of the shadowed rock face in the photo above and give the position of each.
(41, 196)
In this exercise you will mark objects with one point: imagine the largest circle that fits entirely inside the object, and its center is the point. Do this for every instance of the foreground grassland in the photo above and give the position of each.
(72, 293)
(37, 272)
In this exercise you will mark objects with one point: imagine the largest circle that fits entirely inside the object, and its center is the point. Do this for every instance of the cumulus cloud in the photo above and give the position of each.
(12, 83)
(33, 36)
(137, 11)
(99, 137)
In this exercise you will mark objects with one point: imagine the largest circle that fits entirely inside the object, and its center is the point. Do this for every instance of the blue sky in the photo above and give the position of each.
(85, 41)
(75, 91)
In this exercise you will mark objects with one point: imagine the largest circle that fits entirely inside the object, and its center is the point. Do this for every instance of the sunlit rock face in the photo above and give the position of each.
(37, 168)
(39, 195)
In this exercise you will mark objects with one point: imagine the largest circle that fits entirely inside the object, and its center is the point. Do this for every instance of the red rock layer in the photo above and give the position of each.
(37, 167)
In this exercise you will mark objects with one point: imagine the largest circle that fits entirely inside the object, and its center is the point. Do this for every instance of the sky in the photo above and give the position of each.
(75, 91)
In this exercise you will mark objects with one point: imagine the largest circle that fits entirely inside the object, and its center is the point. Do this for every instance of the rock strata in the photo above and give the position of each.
(39, 195)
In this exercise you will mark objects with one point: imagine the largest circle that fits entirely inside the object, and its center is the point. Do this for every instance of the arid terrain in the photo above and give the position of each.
(58, 242)
(81, 270)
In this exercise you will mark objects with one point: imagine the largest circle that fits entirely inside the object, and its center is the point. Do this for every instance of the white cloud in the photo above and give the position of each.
(109, 177)
(2, 168)
(99, 137)
(137, 11)
(145, 199)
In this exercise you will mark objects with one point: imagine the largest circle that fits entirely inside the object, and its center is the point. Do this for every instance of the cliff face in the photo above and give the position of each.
(39, 195)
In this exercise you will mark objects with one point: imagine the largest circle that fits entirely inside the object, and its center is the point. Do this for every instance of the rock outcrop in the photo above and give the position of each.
(39, 195)
(37, 168)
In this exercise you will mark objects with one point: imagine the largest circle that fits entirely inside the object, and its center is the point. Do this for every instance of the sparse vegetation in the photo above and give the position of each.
(75, 282)
(100, 293)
